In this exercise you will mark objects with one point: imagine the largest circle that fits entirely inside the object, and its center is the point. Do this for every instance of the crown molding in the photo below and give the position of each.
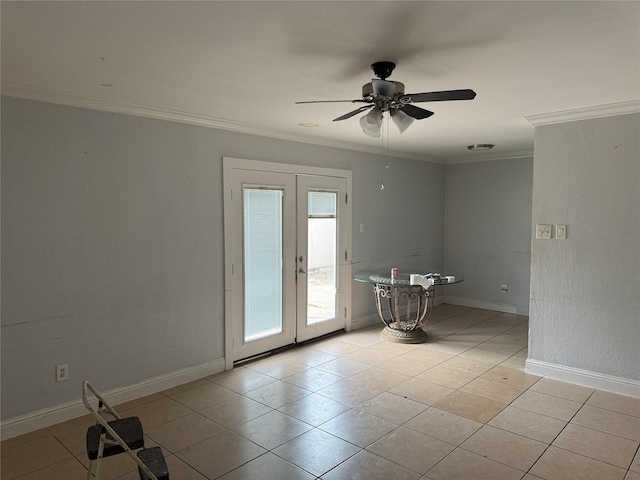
(61, 97)
(489, 157)
(587, 113)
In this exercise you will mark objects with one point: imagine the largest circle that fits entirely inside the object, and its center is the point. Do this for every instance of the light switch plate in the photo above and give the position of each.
(543, 232)
(561, 232)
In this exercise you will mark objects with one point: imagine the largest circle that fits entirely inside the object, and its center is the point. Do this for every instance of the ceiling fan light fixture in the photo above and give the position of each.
(372, 122)
(401, 120)
(480, 146)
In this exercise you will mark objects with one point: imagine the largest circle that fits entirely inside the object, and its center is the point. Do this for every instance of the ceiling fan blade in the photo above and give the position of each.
(351, 114)
(442, 96)
(358, 100)
(416, 112)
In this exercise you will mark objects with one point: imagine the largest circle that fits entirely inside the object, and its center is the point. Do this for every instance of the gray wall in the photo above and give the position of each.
(112, 242)
(585, 290)
(488, 231)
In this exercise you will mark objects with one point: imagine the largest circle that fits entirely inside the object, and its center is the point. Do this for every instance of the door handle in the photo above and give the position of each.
(301, 271)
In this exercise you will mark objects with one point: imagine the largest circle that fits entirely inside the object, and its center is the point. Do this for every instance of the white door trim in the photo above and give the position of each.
(229, 164)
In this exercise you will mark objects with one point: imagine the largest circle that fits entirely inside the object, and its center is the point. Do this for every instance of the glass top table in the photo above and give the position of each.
(402, 279)
(404, 308)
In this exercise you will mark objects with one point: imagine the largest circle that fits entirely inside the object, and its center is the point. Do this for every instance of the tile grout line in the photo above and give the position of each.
(394, 354)
(559, 433)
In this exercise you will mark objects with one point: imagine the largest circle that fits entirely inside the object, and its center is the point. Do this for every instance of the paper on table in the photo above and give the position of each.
(417, 279)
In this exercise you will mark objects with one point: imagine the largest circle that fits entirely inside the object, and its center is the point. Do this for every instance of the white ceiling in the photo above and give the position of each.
(241, 65)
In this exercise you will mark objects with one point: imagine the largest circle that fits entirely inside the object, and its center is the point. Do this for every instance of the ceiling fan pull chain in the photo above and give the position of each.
(382, 161)
(385, 153)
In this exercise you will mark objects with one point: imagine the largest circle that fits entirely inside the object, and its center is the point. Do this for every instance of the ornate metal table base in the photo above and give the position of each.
(399, 335)
(408, 308)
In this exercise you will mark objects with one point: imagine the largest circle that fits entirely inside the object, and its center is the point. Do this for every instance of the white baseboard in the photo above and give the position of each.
(66, 411)
(622, 386)
(498, 307)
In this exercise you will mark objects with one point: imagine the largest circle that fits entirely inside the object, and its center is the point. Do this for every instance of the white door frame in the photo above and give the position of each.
(229, 164)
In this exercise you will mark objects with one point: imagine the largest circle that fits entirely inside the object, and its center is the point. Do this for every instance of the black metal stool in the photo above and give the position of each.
(121, 435)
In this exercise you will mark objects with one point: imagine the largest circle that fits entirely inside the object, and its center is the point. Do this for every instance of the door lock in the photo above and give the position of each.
(301, 271)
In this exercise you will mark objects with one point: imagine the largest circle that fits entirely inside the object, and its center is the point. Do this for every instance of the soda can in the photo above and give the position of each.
(394, 273)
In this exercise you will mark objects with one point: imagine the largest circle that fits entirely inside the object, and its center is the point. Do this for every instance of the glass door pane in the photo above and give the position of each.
(260, 282)
(322, 256)
(321, 282)
(263, 263)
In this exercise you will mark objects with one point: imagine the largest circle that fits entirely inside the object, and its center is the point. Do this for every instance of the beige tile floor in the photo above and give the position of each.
(353, 407)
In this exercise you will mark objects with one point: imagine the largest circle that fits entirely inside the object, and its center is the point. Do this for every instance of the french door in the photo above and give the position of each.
(287, 246)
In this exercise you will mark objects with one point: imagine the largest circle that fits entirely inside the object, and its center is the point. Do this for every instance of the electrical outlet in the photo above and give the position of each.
(62, 372)
(504, 288)
(543, 232)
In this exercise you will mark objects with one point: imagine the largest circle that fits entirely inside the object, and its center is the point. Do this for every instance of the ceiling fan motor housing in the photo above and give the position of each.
(368, 90)
(383, 102)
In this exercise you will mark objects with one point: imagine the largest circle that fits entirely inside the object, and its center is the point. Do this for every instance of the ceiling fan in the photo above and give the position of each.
(384, 95)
